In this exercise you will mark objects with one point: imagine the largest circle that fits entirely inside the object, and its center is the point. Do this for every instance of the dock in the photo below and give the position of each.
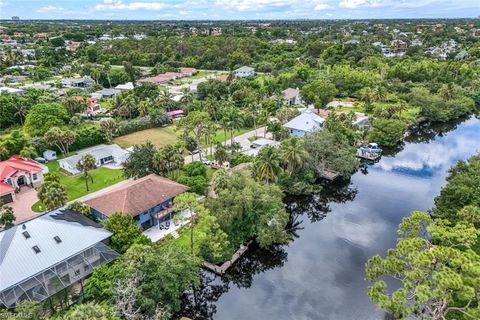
(329, 174)
(220, 270)
(368, 155)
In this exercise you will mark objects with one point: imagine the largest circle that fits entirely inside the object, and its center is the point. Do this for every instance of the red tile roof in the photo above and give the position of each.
(137, 196)
(5, 188)
(16, 164)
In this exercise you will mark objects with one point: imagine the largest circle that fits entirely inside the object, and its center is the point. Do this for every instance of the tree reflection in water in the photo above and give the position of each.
(201, 303)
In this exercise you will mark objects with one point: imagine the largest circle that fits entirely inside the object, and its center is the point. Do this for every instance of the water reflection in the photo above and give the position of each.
(320, 275)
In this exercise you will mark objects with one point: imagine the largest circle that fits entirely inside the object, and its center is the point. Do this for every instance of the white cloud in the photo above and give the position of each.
(50, 9)
(322, 6)
(247, 5)
(353, 4)
(131, 6)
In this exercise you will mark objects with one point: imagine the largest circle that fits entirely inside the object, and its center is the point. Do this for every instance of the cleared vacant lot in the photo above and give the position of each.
(158, 136)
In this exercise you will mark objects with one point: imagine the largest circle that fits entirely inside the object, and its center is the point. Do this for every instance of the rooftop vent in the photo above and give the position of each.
(26, 234)
(36, 249)
(57, 239)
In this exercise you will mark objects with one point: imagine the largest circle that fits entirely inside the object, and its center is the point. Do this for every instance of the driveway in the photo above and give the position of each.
(22, 206)
(241, 139)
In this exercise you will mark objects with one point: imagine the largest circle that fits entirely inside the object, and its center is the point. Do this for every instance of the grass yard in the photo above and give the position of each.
(220, 135)
(158, 136)
(75, 185)
(198, 231)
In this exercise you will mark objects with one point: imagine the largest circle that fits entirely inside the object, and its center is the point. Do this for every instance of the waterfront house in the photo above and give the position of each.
(110, 154)
(149, 200)
(304, 124)
(49, 253)
(16, 173)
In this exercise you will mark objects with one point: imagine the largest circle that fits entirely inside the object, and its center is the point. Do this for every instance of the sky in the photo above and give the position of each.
(237, 9)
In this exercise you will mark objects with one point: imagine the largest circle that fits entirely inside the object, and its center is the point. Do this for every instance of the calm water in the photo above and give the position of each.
(320, 274)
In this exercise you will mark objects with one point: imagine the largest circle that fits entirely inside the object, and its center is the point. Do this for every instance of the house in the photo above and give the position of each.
(125, 86)
(361, 120)
(162, 78)
(49, 253)
(304, 124)
(258, 144)
(92, 107)
(106, 93)
(8, 90)
(244, 72)
(84, 82)
(49, 155)
(149, 200)
(187, 72)
(399, 45)
(291, 97)
(103, 154)
(16, 173)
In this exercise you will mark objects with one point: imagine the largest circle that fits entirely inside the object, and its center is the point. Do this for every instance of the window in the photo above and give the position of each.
(57, 239)
(26, 234)
(34, 177)
(36, 249)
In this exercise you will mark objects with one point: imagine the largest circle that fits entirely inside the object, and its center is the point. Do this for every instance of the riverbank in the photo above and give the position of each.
(335, 232)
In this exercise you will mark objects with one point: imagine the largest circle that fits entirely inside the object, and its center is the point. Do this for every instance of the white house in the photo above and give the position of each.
(244, 72)
(9, 90)
(291, 97)
(304, 124)
(258, 144)
(125, 86)
(106, 93)
(84, 82)
(103, 154)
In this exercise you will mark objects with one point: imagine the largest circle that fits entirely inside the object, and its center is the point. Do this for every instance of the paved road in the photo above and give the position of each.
(242, 139)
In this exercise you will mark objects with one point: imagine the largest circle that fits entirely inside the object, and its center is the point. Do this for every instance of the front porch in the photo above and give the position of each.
(169, 225)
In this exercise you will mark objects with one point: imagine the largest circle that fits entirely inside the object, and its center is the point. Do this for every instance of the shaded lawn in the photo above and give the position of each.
(75, 185)
(158, 136)
(184, 240)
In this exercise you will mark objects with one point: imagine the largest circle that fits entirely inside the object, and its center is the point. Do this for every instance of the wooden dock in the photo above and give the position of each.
(368, 155)
(329, 174)
(220, 270)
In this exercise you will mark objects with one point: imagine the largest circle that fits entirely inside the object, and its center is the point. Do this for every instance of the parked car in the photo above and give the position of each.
(206, 162)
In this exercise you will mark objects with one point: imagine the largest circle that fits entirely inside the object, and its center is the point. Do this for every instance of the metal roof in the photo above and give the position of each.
(18, 259)
(98, 152)
(306, 121)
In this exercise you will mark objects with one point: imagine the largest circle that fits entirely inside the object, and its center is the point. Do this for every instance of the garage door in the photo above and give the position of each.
(6, 198)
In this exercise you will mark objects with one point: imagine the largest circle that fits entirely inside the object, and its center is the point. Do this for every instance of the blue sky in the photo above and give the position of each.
(237, 9)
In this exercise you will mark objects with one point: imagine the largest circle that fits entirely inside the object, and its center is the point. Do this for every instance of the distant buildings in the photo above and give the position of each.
(84, 82)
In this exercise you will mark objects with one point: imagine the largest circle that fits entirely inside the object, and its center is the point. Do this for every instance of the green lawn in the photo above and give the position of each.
(158, 136)
(75, 185)
(162, 136)
(184, 239)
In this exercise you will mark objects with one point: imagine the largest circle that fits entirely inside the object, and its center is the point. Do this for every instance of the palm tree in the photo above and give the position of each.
(52, 194)
(293, 153)
(275, 128)
(21, 111)
(85, 164)
(267, 164)
(106, 70)
(233, 120)
(143, 108)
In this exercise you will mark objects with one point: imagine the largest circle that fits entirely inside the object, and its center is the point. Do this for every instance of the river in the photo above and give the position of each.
(320, 273)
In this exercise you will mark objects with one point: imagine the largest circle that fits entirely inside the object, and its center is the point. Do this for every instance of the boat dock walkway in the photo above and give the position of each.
(220, 270)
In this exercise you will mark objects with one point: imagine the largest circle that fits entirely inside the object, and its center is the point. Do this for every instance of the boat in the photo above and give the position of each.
(371, 147)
